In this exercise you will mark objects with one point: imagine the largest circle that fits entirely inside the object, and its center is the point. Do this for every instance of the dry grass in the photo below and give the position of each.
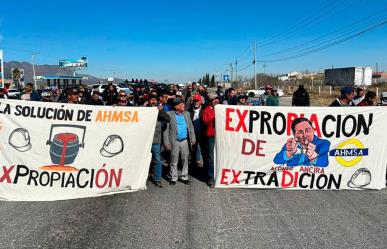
(321, 95)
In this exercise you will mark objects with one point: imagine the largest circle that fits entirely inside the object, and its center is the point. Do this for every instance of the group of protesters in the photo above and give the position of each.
(185, 128)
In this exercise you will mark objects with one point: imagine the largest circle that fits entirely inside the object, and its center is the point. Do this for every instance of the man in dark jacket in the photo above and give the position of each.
(301, 97)
(110, 95)
(162, 118)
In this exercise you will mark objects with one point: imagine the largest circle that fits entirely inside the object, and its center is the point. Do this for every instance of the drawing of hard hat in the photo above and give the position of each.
(112, 146)
(361, 178)
(20, 140)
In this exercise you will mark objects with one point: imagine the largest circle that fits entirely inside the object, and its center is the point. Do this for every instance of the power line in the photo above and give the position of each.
(328, 45)
(313, 18)
(318, 39)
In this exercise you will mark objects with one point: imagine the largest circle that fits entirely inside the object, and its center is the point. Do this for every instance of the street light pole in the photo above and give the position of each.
(255, 57)
(33, 68)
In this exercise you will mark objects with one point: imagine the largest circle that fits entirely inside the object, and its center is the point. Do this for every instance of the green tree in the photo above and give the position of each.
(212, 82)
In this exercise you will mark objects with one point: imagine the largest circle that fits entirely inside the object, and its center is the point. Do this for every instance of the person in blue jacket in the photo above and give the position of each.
(305, 148)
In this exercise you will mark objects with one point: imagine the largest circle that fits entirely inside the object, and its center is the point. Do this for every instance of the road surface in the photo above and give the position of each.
(195, 216)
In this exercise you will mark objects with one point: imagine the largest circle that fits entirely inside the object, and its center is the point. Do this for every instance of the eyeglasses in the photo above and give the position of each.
(121, 96)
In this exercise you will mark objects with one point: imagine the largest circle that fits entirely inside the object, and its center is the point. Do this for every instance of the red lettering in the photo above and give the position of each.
(295, 179)
(313, 119)
(224, 177)
(6, 173)
(285, 184)
(259, 148)
(291, 117)
(229, 119)
(241, 117)
(116, 178)
(236, 174)
(252, 146)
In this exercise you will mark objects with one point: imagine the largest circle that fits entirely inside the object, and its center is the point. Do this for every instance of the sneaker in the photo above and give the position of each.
(186, 182)
(172, 183)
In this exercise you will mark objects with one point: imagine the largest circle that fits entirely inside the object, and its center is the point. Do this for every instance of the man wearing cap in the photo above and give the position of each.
(208, 118)
(46, 96)
(360, 94)
(273, 100)
(195, 111)
(29, 93)
(179, 136)
(71, 97)
(242, 100)
(263, 97)
(345, 98)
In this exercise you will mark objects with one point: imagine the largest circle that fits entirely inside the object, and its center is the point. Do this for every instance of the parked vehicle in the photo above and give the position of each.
(383, 98)
(350, 76)
(101, 88)
(13, 93)
(260, 91)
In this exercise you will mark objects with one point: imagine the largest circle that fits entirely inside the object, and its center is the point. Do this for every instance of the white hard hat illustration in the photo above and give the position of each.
(361, 178)
(20, 140)
(112, 146)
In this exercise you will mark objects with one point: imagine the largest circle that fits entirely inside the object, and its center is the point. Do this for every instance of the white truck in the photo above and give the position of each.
(350, 76)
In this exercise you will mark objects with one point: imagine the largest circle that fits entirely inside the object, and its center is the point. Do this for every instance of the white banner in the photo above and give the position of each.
(301, 148)
(53, 151)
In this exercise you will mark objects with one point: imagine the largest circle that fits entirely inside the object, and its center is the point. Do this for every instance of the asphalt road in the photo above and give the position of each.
(195, 216)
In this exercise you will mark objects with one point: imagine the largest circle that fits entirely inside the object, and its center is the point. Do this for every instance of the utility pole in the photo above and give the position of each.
(236, 71)
(264, 68)
(254, 62)
(33, 68)
(232, 71)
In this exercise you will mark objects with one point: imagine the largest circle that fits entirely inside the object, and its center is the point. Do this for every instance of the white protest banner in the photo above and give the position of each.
(301, 148)
(54, 151)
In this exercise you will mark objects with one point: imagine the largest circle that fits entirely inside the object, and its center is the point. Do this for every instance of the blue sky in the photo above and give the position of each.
(182, 40)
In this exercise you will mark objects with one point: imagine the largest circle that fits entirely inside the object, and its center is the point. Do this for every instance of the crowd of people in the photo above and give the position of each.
(185, 129)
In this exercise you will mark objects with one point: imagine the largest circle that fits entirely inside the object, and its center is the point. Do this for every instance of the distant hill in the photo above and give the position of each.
(44, 70)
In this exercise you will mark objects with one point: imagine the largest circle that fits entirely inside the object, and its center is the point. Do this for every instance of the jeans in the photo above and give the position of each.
(210, 164)
(156, 162)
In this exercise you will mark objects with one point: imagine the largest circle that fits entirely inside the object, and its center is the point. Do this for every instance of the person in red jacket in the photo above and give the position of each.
(208, 118)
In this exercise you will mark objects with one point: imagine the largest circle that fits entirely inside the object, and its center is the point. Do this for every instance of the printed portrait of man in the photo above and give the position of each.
(304, 148)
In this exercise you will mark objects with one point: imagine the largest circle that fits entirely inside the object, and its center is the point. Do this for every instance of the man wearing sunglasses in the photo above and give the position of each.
(123, 99)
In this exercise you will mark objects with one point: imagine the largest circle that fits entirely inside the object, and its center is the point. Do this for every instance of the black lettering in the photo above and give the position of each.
(300, 182)
(361, 124)
(276, 122)
(33, 176)
(318, 181)
(79, 176)
(324, 126)
(332, 179)
(260, 176)
(19, 172)
(249, 174)
(344, 125)
(266, 116)
(254, 116)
